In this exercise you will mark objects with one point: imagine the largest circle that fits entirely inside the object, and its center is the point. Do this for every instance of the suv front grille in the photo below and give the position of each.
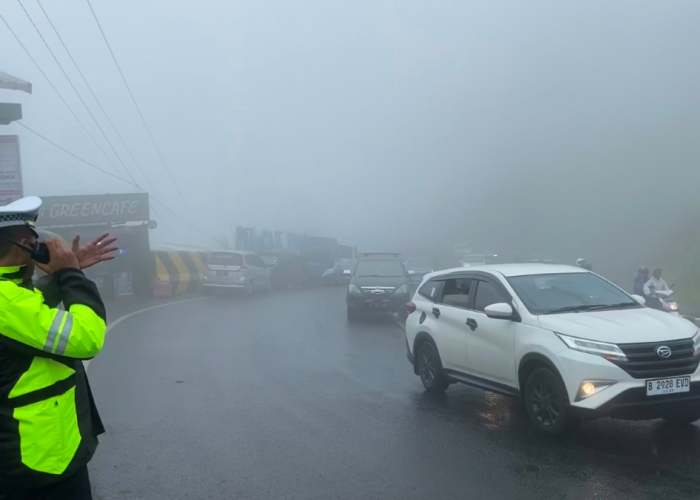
(644, 362)
(379, 289)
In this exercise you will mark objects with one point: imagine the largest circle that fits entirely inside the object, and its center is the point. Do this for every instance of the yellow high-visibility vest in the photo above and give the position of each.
(48, 421)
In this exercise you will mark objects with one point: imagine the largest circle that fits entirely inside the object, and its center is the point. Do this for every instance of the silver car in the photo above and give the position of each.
(233, 270)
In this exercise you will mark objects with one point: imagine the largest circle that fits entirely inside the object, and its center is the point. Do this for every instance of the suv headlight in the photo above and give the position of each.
(402, 289)
(696, 343)
(353, 289)
(611, 352)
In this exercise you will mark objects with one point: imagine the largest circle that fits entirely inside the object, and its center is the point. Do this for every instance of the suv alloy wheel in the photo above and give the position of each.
(547, 403)
(429, 368)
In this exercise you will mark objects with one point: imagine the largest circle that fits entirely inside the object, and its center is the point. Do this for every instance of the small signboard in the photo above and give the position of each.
(10, 170)
(123, 285)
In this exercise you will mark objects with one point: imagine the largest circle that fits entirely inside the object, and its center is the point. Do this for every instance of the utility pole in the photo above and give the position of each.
(10, 111)
(11, 186)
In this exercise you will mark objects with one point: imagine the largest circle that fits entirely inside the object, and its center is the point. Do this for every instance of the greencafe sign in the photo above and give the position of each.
(93, 209)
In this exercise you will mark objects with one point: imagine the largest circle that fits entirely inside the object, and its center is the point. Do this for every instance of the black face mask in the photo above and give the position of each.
(38, 252)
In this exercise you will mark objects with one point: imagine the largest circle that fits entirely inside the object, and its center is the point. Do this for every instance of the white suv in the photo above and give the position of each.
(572, 345)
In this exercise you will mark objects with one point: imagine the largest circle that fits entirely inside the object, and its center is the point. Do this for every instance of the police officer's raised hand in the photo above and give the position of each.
(61, 257)
(100, 250)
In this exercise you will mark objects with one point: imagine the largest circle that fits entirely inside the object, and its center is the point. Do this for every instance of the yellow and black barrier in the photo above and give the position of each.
(183, 270)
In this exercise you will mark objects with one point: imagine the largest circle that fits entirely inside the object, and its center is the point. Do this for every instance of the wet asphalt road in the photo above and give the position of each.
(277, 397)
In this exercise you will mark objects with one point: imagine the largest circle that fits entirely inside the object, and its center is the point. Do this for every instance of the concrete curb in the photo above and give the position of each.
(402, 324)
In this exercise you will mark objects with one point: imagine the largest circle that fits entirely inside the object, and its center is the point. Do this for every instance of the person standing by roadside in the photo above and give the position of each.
(640, 281)
(48, 420)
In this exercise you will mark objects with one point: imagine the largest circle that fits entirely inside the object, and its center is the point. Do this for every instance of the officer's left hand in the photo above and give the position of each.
(94, 253)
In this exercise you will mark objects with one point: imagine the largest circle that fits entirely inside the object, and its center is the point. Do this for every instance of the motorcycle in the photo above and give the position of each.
(663, 300)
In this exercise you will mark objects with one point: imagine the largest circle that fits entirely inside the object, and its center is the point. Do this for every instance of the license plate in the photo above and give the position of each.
(222, 273)
(668, 386)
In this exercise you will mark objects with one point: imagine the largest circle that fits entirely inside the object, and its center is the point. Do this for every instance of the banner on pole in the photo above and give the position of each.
(10, 170)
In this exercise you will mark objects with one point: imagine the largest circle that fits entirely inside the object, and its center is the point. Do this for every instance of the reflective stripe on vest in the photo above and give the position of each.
(61, 327)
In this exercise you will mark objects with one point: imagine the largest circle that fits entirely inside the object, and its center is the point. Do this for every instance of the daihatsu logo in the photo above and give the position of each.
(664, 352)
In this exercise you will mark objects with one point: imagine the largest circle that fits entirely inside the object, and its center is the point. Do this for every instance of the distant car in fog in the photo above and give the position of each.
(235, 270)
(379, 282)
(418, 266)
(287, 269)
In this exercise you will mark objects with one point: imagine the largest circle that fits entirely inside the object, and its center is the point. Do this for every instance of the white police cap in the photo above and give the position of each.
(22, 212)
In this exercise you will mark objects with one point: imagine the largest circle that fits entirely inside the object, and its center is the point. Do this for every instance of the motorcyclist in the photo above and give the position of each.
(640, 281)
(584, 264)
(656, 283)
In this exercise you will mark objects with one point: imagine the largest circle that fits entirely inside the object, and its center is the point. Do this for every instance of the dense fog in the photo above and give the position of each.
(558, 129)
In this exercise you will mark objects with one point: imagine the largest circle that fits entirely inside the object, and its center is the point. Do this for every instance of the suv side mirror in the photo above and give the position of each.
(347, 272)
(500, 310)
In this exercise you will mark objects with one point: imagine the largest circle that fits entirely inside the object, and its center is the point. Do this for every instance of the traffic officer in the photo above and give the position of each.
(48, 420)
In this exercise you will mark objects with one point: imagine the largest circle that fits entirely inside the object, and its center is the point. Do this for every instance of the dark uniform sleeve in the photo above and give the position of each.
(49, 289)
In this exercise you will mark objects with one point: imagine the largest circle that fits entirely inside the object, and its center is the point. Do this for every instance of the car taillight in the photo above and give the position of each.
(410, 307)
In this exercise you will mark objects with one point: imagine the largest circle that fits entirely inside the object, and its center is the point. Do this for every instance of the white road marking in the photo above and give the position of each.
(127, 316)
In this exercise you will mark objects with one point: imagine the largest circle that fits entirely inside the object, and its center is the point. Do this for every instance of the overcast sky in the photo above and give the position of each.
(556, 127)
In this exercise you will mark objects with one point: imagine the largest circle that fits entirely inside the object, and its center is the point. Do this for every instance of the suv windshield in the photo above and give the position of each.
(569, 292)
(379, 268)
(226, 259)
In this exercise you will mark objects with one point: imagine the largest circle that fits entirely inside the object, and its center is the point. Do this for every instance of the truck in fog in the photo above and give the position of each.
(327, 258)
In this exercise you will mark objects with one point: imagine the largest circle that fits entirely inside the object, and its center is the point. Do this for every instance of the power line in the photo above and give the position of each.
(133, 99)
(36, 28)
(143, 172)
(75, 156)
(56, 90)
(196, 228)
(36, 143)
(162, 221)
(166, 207)
(44, 159)
(63, 172)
